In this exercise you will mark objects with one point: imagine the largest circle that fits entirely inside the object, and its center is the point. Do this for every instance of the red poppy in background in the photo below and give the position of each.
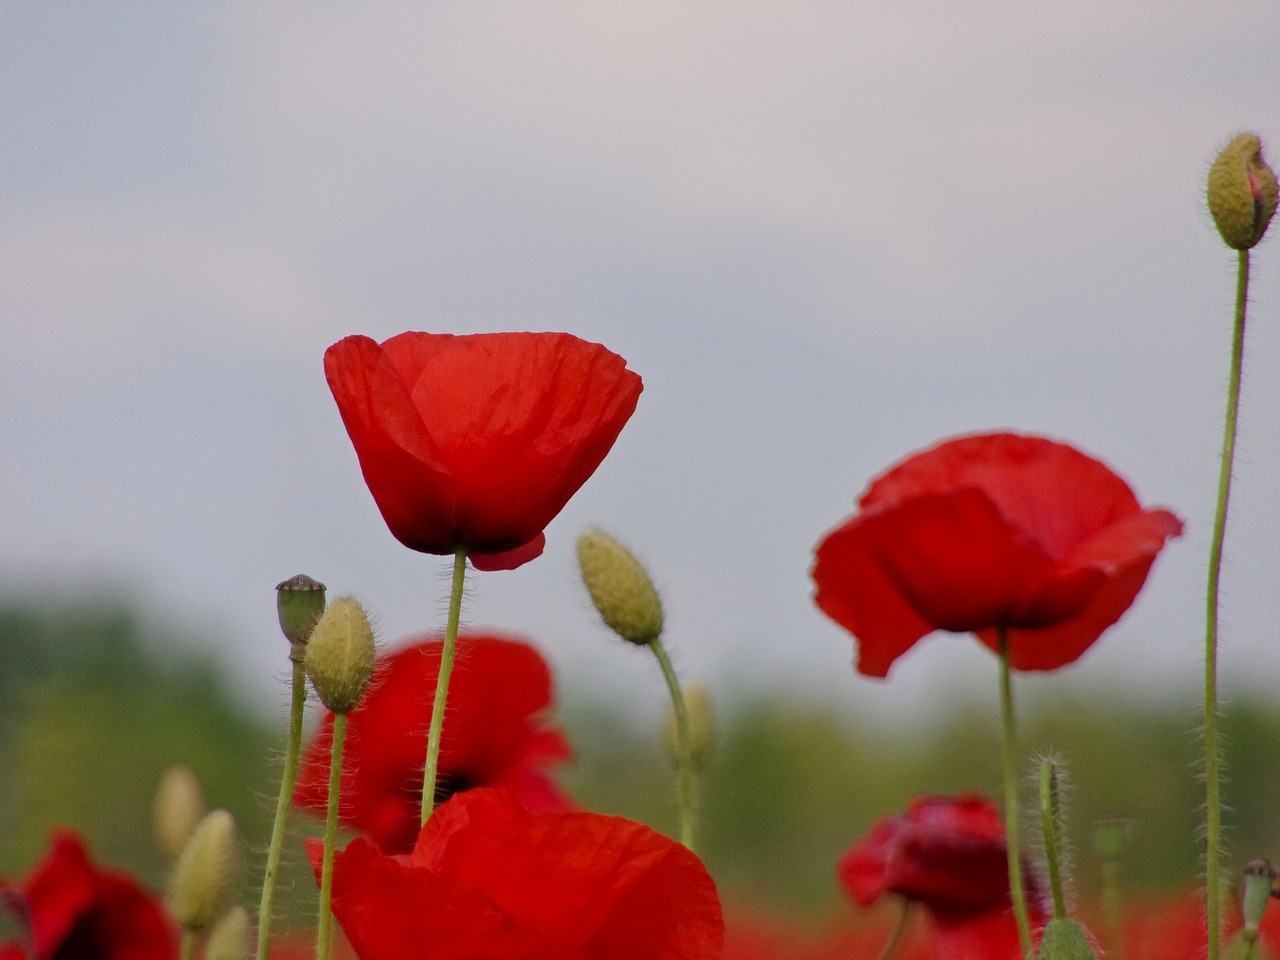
(495, 734)
(488, 880)
(72, 910)
(478, 441)
(989, 533)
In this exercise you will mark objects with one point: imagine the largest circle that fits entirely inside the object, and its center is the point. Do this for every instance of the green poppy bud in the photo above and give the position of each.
(340, 655)
(177, 809)
(206, 872)
(1259, 875)
(1065, 938)
(229, 937)
(620, 588)
(1242, 192)
(299, 604)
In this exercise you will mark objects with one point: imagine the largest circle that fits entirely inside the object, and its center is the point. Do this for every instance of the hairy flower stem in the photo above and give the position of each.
(324, 927)
(287, 780)
(899, 928)
(1212, 775)
(684, 747)
(1012, 806)
(1051, 827)
(442, 683)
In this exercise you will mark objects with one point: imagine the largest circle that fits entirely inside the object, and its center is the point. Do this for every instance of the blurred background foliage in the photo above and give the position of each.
(94, 705)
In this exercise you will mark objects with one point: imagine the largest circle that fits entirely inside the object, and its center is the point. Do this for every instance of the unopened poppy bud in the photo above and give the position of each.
(1065, 938)
(229, 937)
(1259, 875)
(620, 588)
(299, 604)
(177, 809)
(206, 872)
(340, 655)
(1242, 192)
(702, 727)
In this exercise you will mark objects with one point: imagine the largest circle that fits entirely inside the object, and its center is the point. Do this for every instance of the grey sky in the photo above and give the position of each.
(826, 234)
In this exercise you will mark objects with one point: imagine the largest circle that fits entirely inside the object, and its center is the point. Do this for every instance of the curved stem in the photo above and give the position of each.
(1212, 774)
(899, 928)
(324, 929)
(684, 749)
(1012, 806)
(442, 683)
(292, 749)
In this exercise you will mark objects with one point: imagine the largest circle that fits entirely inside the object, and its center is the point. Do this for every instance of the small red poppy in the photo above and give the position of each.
(988, 533)
(71, 909)
(488, 880)
(495, 734)
(478, 441)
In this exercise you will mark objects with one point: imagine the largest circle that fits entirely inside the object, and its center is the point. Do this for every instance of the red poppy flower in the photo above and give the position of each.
(73, 909)
(488, 880)
(495, 734)
(478, 441)
(988, 533)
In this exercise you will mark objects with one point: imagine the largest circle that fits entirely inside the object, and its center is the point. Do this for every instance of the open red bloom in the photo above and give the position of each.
(478, 441)
(488, 880)
(989, 533)
(495, 734)
(75, 910)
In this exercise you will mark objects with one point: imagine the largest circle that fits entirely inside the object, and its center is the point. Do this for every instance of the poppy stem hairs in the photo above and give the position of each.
(442, 682)
(1012, 805)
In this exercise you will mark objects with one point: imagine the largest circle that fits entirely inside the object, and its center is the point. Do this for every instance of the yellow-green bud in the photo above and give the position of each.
(620, 588)
(701, 714)
(206, 873)
(1242, 192)
(229, 937)
(178, 807)
(340, 655)
(1065, 938)
(1259, 875)
(299, 604)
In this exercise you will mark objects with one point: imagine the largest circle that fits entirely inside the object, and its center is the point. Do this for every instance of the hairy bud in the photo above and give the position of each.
(1242, 192)
(340, 655)
(620, 588)
(178, 807)
(206, 872)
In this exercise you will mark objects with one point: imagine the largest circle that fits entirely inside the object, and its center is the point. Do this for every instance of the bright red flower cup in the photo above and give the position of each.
(496, 734)
(990, 533)
(478, 441)
(72, 908)
(488, 880)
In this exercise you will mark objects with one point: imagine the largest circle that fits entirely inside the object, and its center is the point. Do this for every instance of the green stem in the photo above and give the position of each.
(1212, 775)
(899, 928)
(684, 747)
(1111, 909)
(186, 944)
(1012, 806)
(324, 929)
(1050, 827)
(297, 703)
(442, 683)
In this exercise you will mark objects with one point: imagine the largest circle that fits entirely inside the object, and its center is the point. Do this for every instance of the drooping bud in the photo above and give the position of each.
(340, 655)
(229, 937)
(1065, 938)
(177, 809)
(620, 588)
(206, 872)
(1242, 192)
(1259, 875)
(299, 604)
(702, 728)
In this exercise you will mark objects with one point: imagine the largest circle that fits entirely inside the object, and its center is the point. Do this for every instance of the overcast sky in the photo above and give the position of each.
(825, 234)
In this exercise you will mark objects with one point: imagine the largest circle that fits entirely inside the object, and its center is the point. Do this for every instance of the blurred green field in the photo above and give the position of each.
(90, 716)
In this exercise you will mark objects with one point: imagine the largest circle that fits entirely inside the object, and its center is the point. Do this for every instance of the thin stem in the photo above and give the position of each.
(1212, 775)
(1012, 806)
(684, 748)
(442, 683)
(899, 928)
(297, 703)
(1050, 826)
(1111, 908)
(324, 929)
(186, 944)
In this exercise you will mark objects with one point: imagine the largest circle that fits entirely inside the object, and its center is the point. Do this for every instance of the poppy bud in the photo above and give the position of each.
(177, 809)
(205, 874)
(702, 727)
(229, 937)
(1242, 192)
(620, 588)
(340, 655)
(1259, 875)
(1065, 939)
(299, 604)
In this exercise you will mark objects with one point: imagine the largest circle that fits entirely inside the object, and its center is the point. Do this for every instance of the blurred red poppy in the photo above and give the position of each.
(488, 880)
(73, 909)
(478, 441)
(495, 734)
(988, 533)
